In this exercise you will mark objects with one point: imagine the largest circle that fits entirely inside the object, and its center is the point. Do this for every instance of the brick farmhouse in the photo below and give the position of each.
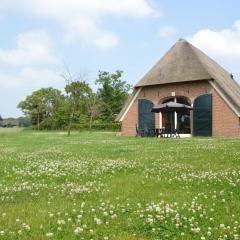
(185, 75)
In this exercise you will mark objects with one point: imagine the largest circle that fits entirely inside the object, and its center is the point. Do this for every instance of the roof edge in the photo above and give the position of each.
(186, 81)
(128, 104)
(225, 97)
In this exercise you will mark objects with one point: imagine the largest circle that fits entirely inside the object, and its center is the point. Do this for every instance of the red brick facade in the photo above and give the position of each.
(225, 121)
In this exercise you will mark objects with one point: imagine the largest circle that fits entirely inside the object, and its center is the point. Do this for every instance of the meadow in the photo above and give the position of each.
(102, 186)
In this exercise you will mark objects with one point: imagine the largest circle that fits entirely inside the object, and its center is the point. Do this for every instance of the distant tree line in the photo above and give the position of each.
(78, 106)
(14, 122)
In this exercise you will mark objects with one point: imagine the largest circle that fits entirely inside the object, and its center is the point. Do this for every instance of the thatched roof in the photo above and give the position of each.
(184, 63)
(179, 64)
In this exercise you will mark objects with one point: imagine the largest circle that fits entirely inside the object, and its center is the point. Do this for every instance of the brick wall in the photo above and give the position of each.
(227, 126)
(225, 121)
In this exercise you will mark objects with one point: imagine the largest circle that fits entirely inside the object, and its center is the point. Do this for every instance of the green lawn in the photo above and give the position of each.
(100, 186)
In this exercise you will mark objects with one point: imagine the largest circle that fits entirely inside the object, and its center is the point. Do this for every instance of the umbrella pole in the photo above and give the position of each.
(171, 120)
(175, 119)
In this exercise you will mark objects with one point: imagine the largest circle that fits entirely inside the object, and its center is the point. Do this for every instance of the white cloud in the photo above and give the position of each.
(107, 40)
(82, 19)
(65, 9)
(223, 46)
(15, 86)
(224, 43)
(86, 31)
(7, 81)
(40, 77)
(32, 78)
(167, 31)
(33, 48)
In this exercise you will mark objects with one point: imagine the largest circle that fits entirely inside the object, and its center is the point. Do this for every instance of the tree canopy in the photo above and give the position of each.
(113, 93)
(78, 95)
(41, 105)
(49, 108)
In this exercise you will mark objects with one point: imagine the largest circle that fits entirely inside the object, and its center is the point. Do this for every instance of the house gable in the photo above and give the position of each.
(185, 63)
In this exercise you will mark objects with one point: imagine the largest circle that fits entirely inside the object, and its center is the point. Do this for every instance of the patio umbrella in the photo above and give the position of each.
(170, 107)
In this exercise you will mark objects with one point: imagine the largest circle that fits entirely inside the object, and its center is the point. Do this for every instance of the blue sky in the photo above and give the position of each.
(39, 37)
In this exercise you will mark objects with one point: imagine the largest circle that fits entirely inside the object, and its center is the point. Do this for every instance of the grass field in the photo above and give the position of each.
(99, 186)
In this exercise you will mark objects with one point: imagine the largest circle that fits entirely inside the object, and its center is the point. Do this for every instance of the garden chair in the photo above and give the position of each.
(177, 131)
(139, 132)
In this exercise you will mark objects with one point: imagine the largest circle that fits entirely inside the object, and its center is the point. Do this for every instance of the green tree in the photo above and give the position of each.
(112, 92)
(79, 94)
(41, 105)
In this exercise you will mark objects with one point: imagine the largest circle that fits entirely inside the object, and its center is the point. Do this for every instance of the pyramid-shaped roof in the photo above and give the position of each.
(183, 63)
(179, 64)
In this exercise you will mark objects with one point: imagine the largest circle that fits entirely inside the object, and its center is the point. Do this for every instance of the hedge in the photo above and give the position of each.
(81, 126)
(98, 127)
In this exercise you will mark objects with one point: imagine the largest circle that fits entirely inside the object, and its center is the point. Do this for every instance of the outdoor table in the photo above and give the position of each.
(161, 132)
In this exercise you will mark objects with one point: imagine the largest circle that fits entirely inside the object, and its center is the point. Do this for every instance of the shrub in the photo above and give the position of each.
(112, 126)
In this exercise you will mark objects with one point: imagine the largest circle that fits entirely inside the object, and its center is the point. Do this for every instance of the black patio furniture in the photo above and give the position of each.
(170, 130)
(159, 132)
(146, 132)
